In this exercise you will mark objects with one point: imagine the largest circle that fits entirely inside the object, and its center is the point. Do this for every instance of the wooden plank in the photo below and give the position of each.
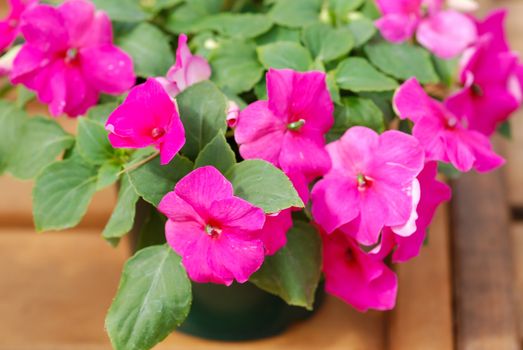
(422, 318)
(16, 206)
(483, 280)
(55, 289)
(517, 253)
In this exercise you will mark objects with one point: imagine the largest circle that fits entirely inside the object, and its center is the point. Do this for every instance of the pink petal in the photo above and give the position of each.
(44, 27)
(412, 102)
(399, 6)
(173, 140)
(409, 227)
(280, 83)
(274, 231)
(27, 64)
(197, 69)
(108, 68)
(485, 159)
(352, 152)
(430, 133)
(237, 214)
(151, 94)
(176, 209)
(302, 154)
(78, 17)
(169, 87)
(397, 28)
(8, 35)
(128, 126)
(494, 25)
(203, 186)
(446, 33)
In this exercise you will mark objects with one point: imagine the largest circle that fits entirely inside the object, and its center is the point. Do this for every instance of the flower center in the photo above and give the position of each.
(213, 232)
(476, 90)
(71, 55)
(349, 255)
(364, 182)
(156, 133)
(297, 125)
(451, 123)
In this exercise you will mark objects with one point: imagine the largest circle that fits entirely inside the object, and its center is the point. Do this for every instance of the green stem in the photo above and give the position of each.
(229, 133)
(139, 164)
(4, 90)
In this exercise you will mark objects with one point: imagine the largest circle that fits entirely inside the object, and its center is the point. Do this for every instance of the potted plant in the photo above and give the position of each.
(264, 152)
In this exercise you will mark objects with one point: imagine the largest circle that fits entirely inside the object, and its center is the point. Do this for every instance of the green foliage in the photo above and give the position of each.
(93, 143)
(357, 74)
(285, 54)
(293, 273)
(12, 120)
(241, 26)
(265, 186)
(327, 43)
(361, 27)
(153, 298)
(217, 153)
(296, 13)
(402, 61)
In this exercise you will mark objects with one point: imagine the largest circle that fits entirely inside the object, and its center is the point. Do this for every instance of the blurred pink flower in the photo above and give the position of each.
(147, 117)
(360, 279)
(188, 70)
(215, 233)
(443, 134)
(446, 33)
(489, 75)
(433, 193)
(370, 184)
(10, 26)
(69, 57)
(289, 129)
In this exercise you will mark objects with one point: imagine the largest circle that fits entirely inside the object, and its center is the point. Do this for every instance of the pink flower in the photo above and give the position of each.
(433, 193)
(147, 117)
(442, 133)
(10, 26)
(361, 280)
(444, 32)
(288, 130)
(489, 74)
(69, 58)
(188, 70)
(215, 233)
(232, 114)
(274, 232)
(370, 184)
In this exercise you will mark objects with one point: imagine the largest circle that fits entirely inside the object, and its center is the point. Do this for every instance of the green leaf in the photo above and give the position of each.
(263, 185)
(361, 27)
(23, 96)
(122, 10)
(327, 43)
(402, 61)
(296, 13)
(278, 33)
(217, 153)
(42, 140)
(186, 18)
(447, 69)
(154, 6)
(122, 218)
(356, 111)
(153, 298)
(12, 121)
(342, 8)
(243, 26)
(93, 142)
(285, 54)
(152, 181)
(100, 113)
(235, 66)
(62, 193)
(108, 174)
(153, 230)
(149, 49)
(356, 74)
(505, 130)
(293, 273)
(203, 110)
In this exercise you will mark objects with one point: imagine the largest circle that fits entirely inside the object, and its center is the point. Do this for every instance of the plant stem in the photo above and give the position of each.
(229, 133)
(139, 164)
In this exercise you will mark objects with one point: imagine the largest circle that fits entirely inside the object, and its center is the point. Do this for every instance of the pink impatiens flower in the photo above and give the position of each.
(370, 184)
(442, 133)
(274, 232)
(69, 57)
(489, 74)
(10, 26)
(187, 70)
(216, 234)
(147, 117)
(433, 193)
(446, 33)
(289, 129)
(360, 279)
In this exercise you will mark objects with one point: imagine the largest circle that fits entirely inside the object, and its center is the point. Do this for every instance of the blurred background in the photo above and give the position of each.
(465, 291)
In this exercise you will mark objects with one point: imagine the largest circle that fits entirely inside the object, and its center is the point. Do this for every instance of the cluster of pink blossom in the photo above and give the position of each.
(373, 196)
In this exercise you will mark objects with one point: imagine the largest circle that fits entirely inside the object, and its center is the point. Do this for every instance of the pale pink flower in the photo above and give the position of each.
(433, 193)
(370, 184)
(10, 26)
(289, 128)
(147, 117)
(444, 32)
(489, 75)
(69, 57)
(233, 112)
(443, 134)
(216, 234)
(360, 279)
(187, 70)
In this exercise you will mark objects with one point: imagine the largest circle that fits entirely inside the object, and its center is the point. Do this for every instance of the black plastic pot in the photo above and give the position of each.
(235, 313)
